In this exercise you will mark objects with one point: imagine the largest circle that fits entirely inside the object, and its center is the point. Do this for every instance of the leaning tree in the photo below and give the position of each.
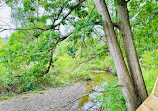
(130, 76)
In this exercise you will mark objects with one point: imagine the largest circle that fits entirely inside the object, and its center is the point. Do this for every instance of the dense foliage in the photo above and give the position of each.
(60, 41)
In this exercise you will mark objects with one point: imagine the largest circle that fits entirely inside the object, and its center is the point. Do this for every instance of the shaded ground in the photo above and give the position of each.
(47, 100)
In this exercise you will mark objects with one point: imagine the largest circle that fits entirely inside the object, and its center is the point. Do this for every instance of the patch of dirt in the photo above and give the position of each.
(48, 100)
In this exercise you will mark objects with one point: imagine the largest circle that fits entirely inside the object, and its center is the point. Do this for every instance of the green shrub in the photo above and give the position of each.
(149, 68)
(113, 98)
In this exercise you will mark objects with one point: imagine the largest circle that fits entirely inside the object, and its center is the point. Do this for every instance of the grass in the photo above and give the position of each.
(67, 70)
(25, 96)
(150, 68)
(1, 104)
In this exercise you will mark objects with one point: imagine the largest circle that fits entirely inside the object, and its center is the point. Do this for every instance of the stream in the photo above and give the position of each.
(51, 100)
(99, 80)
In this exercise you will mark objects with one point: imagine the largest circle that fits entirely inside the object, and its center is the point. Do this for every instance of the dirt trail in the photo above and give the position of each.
(47, 100)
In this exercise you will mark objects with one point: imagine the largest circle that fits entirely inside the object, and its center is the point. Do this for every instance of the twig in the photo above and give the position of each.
(58, 15)
(92, 105)
(35, 28)
(73, 90)
(84, 62)
(94, 56)
(68, 103)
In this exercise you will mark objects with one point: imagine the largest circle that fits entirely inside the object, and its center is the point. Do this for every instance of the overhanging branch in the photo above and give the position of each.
(86, 61)
(52, 27)
(52, 50)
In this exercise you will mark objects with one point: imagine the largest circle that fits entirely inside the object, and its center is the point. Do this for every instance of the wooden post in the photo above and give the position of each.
(151, 103)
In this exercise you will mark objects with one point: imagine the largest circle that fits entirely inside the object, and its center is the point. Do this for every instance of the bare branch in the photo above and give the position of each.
(92, 105)
(68, 103)
(35, 28)
(82, 96)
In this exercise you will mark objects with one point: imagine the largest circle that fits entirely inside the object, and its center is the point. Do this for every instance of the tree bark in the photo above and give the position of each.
(130, 51)
(115, 51)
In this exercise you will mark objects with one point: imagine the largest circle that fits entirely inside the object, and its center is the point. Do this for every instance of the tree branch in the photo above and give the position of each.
(61, 9)
(116, 25)
(81, 1)
(95, 56)
(68, 103)
(52, 27)
(51, 52)
(50, 62)
(85, 94)
(35, 28)
(72, 9)
(87, 60)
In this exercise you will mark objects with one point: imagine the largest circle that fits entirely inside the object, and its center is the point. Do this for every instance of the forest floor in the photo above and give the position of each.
(55, 99)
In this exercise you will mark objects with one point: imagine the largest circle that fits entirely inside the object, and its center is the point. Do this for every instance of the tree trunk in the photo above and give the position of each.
(130, 51)
(115, 51)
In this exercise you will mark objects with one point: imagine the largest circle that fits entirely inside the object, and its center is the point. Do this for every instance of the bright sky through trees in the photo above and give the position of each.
(5, 20)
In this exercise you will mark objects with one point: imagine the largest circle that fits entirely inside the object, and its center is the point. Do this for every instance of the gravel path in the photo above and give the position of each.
(47, 100)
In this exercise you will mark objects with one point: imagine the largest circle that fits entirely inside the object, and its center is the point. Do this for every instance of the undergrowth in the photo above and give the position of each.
(113, 98)
(150, 68)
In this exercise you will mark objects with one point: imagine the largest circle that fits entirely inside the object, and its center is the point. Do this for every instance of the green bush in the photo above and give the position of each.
(113, 98)
(150, 68)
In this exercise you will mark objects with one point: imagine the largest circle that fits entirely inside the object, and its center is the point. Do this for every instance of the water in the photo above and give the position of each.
(99, 80)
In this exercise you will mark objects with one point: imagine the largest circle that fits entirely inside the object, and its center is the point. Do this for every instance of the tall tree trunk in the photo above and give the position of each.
(130, 51)
(115, 51)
